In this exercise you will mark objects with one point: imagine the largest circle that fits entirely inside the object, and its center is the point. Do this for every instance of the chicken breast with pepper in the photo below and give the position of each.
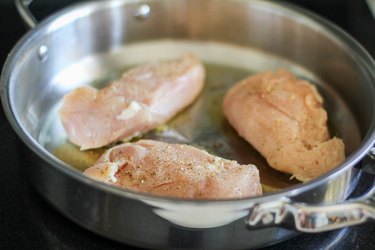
(284, 119)
(175, 170)
(142, 99)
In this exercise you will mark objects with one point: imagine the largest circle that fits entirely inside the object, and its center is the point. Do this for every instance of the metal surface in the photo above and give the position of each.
(317, 218)
(371, 153)
(98, 29)
(25, 13)
(371, 5)
(143, 12)
(313, 219)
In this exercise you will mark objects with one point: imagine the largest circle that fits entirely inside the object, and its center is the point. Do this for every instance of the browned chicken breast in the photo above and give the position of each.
(142, 99)
(175, 170)
(283, 118)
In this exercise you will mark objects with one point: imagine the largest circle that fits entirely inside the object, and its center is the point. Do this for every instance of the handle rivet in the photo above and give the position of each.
(371, 153)
(267, 218)
(43, 53)
(143, 12)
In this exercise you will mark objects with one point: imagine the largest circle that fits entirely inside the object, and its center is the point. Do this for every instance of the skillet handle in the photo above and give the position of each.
(371, 5)
(317, 218)
(25, 13)
(313, 218)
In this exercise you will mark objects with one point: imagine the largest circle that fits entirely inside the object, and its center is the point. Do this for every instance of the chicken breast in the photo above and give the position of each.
(175, 170)
(283, 118)
(143, 98)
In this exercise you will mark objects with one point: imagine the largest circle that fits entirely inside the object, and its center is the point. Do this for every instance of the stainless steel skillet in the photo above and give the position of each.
(95, 40)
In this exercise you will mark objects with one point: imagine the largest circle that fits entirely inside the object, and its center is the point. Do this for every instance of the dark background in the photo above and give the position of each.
(28, 222)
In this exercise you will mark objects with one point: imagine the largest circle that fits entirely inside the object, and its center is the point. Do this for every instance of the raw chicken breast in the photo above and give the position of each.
(283, 118)
(175, 170)
(142, 99)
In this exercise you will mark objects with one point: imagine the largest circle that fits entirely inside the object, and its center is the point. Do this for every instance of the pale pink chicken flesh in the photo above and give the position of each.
(284, 119)
(142, 99)
(175, 170)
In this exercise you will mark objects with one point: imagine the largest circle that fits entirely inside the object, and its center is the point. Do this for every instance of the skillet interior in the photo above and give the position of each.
(202, 124)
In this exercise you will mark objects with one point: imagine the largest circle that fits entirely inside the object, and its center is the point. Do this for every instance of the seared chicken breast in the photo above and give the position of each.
(175, 170)
(284, 119)
(142, 99)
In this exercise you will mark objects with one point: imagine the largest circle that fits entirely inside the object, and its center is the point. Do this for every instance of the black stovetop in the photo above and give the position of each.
(28, 222)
